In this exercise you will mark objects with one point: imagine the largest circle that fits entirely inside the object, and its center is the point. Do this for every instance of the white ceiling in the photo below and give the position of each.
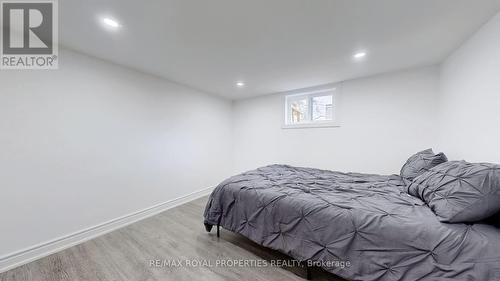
(272, 45)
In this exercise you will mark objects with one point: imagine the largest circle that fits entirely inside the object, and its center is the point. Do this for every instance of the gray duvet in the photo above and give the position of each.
(368, 221)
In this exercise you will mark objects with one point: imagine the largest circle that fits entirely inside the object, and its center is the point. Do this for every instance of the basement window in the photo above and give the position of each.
(311, 109)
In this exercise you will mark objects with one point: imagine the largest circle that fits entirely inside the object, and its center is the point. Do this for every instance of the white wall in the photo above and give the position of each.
(385, 119)
(92, 141)
(470, 98)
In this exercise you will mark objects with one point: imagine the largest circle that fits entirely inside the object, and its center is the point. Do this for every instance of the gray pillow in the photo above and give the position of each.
(458, 191)
(420, 163)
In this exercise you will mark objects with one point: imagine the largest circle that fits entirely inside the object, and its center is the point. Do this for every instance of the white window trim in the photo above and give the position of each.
(314, 124)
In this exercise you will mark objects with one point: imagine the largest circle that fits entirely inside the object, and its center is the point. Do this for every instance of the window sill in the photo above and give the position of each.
(312, 125)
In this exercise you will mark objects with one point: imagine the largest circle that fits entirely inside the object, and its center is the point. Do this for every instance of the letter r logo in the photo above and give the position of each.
(27, 28)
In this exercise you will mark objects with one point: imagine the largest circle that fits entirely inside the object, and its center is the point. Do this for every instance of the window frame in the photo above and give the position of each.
(309, 95)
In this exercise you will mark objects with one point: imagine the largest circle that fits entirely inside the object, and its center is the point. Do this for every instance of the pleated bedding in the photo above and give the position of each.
(368, 222)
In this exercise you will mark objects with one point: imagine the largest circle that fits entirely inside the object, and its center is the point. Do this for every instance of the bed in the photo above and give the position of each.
(367, 223)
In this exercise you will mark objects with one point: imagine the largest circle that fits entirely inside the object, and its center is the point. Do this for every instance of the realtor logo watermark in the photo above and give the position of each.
(29, 37)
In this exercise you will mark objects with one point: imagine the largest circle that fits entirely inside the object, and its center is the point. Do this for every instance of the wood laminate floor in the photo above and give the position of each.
(175, 236)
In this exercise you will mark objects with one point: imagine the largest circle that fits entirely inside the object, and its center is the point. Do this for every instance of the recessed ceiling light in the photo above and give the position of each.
(240, 84)
(111, 23)
(359, 55)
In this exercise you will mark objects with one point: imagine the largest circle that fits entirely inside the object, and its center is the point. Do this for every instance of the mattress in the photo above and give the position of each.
(367, 222)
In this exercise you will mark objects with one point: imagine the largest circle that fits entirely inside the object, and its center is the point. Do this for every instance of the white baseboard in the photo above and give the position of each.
(41, 250)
